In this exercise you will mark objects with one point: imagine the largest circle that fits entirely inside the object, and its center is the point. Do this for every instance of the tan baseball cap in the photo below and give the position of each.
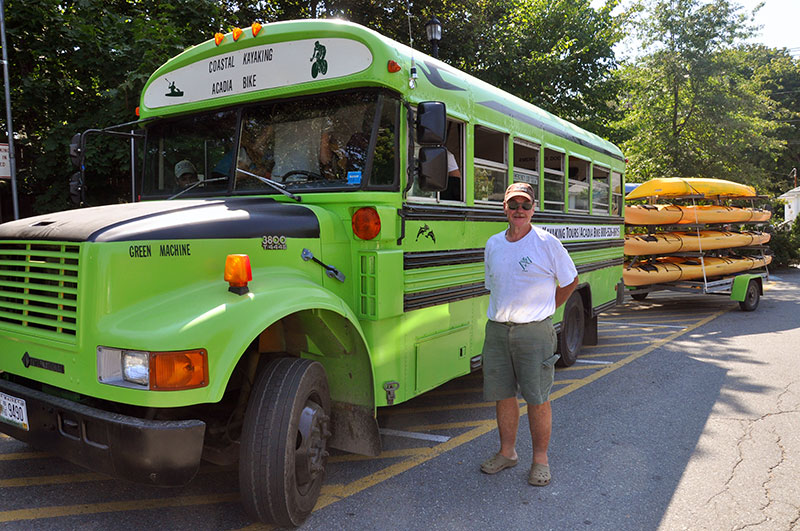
(519, 189)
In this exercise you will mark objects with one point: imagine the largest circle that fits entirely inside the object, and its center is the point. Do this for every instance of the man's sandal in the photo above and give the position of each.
(539, 475)
(498, 462)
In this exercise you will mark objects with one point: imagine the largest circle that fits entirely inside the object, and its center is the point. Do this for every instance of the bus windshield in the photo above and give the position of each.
(345, 141)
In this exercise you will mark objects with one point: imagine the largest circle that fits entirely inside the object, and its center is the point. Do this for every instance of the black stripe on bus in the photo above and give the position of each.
(550, 128)
(594, 266)
(417, 260)
(418, 212)
(424, 299)
(576, 247)
(441, 258)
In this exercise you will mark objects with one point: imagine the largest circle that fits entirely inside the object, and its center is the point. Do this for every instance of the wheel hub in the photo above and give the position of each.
(312, 437)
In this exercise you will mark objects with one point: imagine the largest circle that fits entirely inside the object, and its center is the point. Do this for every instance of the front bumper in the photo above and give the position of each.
(155, 452)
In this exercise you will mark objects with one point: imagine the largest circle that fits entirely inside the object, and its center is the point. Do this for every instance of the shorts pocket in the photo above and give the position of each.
(551, 361)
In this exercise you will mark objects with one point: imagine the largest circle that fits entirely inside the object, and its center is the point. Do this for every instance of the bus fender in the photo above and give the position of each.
(309, 321)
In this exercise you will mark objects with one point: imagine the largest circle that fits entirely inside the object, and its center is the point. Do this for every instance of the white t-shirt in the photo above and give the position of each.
(522, 276)
(451, 162)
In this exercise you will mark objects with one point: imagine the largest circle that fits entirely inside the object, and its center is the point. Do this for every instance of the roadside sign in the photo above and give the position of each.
(5, 164)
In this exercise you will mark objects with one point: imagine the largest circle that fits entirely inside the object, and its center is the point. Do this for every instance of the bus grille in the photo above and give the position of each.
(39, 288)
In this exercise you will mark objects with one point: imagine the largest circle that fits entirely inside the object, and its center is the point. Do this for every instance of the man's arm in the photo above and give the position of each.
(563, 292)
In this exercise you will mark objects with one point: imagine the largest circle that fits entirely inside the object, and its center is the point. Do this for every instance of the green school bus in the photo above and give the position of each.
(315, 199)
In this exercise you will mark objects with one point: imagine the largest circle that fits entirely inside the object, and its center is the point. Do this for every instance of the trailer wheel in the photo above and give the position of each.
(284, 442)
(751, 297)
(640, 296)
(572, 327)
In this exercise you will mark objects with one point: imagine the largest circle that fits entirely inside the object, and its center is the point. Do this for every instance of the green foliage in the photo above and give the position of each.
(785, 244)
(692, 105)
(81, 64)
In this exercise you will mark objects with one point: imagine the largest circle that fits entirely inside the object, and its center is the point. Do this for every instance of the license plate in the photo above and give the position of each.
(13, 411)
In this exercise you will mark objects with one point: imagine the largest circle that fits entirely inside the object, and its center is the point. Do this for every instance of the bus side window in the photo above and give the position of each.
(578, 185)
(553, 180)
(490, 164)
(526, 164)
(455, 161)
(600, 190)
(616, 193)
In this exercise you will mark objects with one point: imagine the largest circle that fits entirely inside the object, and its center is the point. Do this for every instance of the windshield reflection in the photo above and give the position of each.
(316, 143)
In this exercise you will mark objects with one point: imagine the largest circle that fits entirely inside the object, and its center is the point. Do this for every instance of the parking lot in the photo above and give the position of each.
(432, 447)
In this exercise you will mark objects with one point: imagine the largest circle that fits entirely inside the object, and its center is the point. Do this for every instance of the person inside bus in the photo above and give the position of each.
(529, 274)
(337, 160)
(453, 190)
(185, 174)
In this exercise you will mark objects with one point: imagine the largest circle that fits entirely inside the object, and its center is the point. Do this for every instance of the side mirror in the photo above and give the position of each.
(75, 150)
(431, 123)
(432, 169)
(77, 191)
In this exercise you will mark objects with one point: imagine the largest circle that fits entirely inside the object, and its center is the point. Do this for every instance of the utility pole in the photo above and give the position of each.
(12, 163)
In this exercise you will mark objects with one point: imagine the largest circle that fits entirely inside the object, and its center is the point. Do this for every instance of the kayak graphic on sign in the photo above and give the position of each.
(174, 92)
(320, 65)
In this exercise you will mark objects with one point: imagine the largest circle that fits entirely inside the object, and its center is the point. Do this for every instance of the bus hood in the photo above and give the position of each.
(240, 217)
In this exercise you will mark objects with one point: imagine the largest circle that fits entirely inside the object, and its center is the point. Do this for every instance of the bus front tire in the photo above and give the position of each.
(573, 325)
(284, 442)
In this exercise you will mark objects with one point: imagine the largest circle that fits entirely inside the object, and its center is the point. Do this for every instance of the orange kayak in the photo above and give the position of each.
(676, 242)
(683, 186)
(672, 268)
(679, 215)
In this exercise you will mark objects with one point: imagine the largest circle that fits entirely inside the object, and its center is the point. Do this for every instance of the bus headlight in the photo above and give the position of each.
(156, 371)
(136, 367)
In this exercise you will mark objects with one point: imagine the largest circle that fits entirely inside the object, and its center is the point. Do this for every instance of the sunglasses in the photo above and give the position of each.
(514, 205)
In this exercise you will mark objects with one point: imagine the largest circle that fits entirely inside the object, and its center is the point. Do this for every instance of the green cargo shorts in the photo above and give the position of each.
(519, 357)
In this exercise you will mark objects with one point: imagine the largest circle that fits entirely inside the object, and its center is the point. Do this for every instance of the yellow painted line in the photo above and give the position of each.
(433, 409)
(52, 480)
(24, 455)
(603, 355)
(447, 392)
(638, 334)
(111, 507)
(606, 369)
(656, 319)
(405, 452)
(588, 367)
(616, 344)
(448, 425)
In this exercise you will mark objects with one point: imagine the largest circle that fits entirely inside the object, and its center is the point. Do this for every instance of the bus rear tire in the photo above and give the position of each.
(573, 326)
(284, 442)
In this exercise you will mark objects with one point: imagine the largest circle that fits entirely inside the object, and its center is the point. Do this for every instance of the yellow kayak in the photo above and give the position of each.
(672, 268)
(682, 186)
(679, 215)
(676, 242)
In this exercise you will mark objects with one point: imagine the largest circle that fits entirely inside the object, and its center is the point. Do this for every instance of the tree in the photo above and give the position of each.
(691, 107)
(79, 64)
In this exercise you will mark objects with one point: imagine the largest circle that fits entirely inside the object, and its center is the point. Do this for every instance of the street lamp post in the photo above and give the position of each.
(433, 28)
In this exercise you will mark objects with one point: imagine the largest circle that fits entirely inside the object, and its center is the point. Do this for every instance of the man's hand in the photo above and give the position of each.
(563, 292)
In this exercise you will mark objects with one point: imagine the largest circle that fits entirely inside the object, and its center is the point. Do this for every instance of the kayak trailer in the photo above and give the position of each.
(745, 288)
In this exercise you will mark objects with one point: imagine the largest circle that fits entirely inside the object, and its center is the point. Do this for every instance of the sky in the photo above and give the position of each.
(779, 18)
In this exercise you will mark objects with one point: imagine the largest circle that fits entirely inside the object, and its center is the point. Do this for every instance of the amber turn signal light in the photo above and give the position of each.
(218, 38)
(256, 27)
(366, 223)
(238, 273)
(173, 371)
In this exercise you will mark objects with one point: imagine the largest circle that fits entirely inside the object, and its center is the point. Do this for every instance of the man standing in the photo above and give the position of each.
(529, 275)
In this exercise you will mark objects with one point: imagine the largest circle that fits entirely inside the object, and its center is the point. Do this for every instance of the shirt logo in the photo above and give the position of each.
(524, 263)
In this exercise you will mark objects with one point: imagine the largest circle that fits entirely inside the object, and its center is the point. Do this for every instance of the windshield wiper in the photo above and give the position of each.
(279, 187)
(195, 185)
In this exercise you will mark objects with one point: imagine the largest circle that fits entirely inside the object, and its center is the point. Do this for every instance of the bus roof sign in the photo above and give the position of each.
(257, 68)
